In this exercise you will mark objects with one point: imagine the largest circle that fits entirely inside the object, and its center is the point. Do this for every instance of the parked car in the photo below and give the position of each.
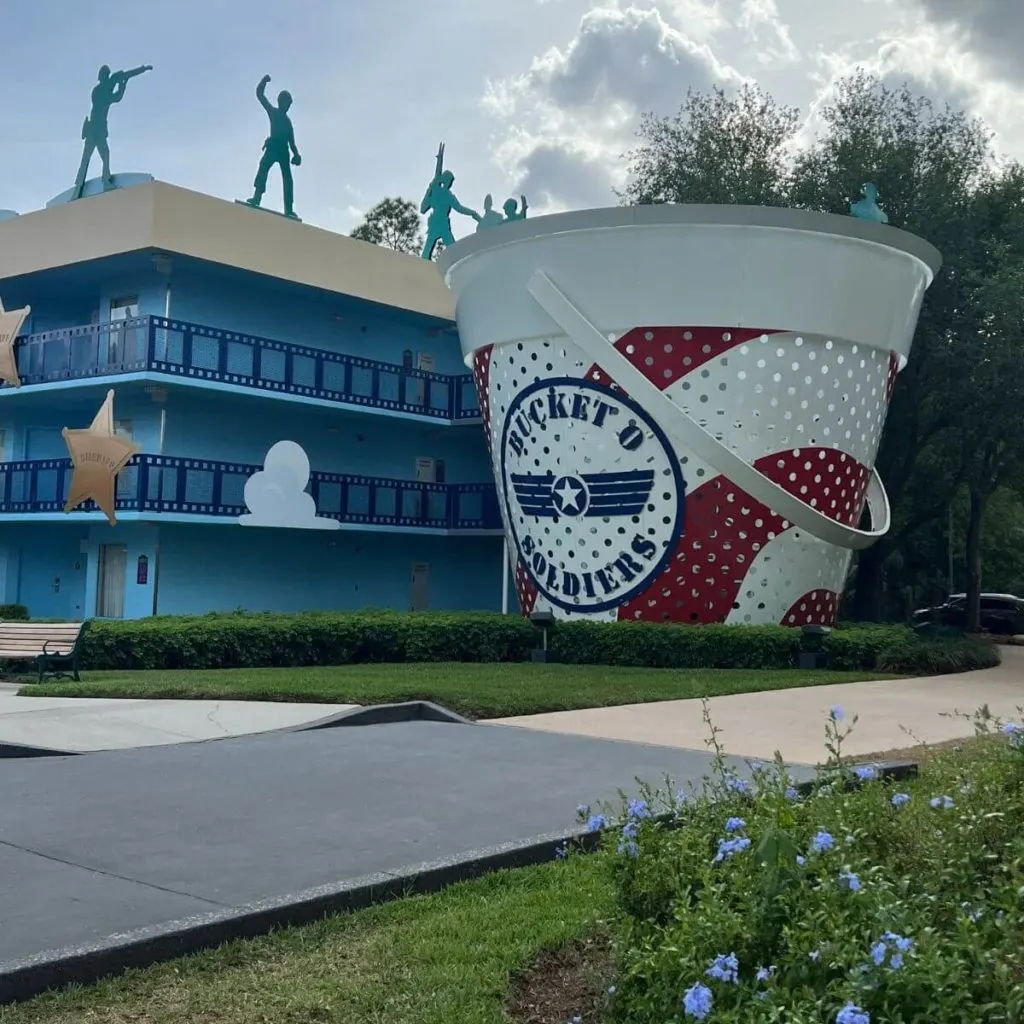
(1000, 613)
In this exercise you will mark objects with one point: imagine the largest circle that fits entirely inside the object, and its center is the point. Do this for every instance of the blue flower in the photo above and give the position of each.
(902, 943)
(757, 766)
(737, 785)
(893, 946)
(596, 822)
(836, 713)
(792, 794)
(561, 852)
(628, 847)
(853, 1014)
(814, 954)
(851, 879)
(1013, 728)
(725, 967)
(630, 829)
(899, 799)
(943, 803)
(974, 915)
(728, 847)
(734, 824)
(864, 772)
(822, 841)
(582, 810)
(801, 861)
(764, 973)
(681, 796)
(697, 1001)
(611, 990)
(638, 809)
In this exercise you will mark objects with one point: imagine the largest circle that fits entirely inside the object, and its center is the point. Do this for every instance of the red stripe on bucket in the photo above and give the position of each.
(817, 607)
(482, 380)
(667, 354)
(526, 589)
(726, 528)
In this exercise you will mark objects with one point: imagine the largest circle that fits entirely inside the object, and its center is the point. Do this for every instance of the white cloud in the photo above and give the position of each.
(992, 28)
(576, 109)
(932, 60)
(760, 20)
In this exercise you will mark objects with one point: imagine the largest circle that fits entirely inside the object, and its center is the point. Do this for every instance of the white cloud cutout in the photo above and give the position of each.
(276, 495)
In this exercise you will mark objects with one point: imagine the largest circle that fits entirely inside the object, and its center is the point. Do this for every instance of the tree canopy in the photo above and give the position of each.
(954, 436)
(394, 223)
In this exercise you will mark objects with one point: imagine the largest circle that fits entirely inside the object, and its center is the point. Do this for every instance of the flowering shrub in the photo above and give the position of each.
(855, 900)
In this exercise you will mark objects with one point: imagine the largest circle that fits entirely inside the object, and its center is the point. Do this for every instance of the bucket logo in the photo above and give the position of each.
(594, 496)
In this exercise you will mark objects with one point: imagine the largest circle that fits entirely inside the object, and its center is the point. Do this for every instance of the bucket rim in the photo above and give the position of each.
(673, 214)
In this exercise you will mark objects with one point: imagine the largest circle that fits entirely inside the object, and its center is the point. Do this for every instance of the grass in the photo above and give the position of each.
(490, 690)
(446, 958)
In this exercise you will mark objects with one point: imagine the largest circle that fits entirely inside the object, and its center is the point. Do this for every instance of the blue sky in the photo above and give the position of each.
(541, 95)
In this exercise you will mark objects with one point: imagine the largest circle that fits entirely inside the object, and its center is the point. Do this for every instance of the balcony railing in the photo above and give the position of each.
(155, 345)
(165, 484)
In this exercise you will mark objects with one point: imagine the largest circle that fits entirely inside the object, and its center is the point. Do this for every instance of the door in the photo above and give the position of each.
(110, 582)
(3, 445)
(122, 342)
(420, 587)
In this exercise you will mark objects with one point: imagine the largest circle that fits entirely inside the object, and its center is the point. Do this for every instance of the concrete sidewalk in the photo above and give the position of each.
(96, 846)
(85, 723)
(893, 714)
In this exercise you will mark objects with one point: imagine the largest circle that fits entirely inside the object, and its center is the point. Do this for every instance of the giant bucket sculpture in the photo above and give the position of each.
(683, 404)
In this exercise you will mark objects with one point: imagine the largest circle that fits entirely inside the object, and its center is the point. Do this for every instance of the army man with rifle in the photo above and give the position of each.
(109, 89)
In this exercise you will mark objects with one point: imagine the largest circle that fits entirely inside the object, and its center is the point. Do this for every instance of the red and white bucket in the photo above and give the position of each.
(683, 404)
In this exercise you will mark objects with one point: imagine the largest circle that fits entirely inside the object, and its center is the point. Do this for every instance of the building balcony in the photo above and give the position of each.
(156, 347)
(165, 488)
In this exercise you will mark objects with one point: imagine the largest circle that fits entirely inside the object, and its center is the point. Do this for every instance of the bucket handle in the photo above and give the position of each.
(676, 422)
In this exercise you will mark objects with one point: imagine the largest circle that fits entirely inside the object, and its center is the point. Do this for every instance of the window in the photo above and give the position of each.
(126, 478)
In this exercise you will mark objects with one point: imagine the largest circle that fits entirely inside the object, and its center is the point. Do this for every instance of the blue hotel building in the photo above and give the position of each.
(224, 330)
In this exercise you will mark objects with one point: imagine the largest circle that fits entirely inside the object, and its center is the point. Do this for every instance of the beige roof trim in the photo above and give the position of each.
(156, 215)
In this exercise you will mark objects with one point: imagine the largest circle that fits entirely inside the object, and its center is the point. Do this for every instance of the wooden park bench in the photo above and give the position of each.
(52, 646)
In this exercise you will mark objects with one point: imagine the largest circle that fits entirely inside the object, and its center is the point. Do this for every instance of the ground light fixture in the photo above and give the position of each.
(543, 620)
(812, 654)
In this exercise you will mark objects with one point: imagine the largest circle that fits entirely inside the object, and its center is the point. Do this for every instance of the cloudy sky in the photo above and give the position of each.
(541, 96)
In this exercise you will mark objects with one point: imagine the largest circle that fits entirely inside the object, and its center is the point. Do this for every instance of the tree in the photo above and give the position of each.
(990, 375)
(394, 223)
(928, 165)
(717, 149)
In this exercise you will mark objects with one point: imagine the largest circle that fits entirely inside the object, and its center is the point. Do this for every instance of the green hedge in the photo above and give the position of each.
(13, 613)
(333, 638)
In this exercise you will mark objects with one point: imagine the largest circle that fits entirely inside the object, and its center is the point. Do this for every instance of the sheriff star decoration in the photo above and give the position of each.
(97, 455)
(10, 323)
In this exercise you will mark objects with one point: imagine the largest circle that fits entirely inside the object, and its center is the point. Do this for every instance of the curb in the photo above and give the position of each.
(24, 979)
(384, 714)
(83, 965)
(25, 750)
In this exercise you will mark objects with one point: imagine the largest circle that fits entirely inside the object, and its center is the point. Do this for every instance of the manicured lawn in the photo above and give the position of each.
(493, 690)
(440, 959)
